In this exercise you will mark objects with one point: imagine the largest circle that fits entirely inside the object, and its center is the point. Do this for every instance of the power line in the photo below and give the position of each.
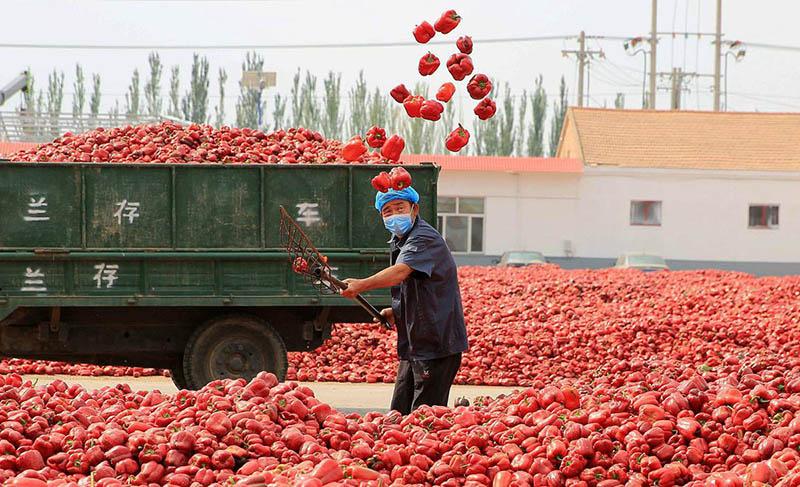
(268, 46)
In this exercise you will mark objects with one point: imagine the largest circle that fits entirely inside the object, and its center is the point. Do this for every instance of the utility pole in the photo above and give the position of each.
(653, 41)
(582, 54)
(677, 85)
(717, 55)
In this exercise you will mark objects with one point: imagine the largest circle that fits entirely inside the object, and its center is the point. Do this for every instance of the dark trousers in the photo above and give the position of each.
(424, 382)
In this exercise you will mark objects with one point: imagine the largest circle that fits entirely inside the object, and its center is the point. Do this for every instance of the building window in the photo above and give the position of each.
(763, 216)
(461, 223)
(646, 213)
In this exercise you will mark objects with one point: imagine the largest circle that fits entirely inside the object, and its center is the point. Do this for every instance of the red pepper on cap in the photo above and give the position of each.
(382, 182)
(400, 178)
(447, 22)
(424, 32)
(479, 86)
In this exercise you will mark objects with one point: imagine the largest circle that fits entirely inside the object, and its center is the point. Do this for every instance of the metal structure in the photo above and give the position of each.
(20, 83)
(182, 266)
(18, 126)
(313, 266)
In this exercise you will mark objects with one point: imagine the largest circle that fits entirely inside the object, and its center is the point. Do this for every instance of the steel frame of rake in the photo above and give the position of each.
(299, 246)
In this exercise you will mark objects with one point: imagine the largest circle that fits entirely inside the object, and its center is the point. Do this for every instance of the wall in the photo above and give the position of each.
(704, 214)
(531, 211)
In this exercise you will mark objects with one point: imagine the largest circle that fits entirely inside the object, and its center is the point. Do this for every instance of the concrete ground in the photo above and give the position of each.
(347, 398)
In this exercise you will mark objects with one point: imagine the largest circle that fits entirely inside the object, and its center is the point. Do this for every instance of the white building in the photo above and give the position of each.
(703, 189)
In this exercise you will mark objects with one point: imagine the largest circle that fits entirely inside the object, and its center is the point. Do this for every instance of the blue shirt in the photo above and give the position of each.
(427, 304)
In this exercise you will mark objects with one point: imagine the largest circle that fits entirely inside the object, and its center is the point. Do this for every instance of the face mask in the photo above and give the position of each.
(398, 224)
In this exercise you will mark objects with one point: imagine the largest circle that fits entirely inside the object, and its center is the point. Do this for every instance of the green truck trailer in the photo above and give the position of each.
(181, 266)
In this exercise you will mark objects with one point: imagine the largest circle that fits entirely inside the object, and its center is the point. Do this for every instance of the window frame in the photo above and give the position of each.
(647, 204)
(469, 216)
(764, 225)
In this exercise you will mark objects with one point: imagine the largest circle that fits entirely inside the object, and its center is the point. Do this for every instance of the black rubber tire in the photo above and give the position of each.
(233, 346)
(178, 377)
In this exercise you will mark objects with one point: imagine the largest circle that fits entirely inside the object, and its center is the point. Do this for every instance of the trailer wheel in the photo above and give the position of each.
(232, 347)
(178, 377)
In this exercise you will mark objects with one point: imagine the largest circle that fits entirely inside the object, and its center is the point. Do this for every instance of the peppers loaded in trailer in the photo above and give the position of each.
(181, 266)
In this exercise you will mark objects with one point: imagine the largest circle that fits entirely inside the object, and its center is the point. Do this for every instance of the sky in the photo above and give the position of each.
(764, 80)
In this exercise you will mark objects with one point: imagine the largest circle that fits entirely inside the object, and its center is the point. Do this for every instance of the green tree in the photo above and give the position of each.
(94, 99)
(132, 97)
(174, 92)
(487, 132)
(539, 111)
(309, 103)
(619, 101)
(378, 113)
(359, 116)
(249, 102)
(114, 113)
(297, 103)
(448, 124)
(420, 134)
(332, 119)
(29, 103)
(220, 110)
(195, 101)
(519, 145)
(559, 114)
(279, 113)
(55, 98)
(79, 93)
(507, 131)
(152, 89)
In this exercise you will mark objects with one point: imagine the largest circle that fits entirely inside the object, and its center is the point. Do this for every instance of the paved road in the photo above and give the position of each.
(347, 398)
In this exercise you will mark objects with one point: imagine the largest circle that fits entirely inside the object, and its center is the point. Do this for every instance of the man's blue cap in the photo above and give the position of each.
(409, 194)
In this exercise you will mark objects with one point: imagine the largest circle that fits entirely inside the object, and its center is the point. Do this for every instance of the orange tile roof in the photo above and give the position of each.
(502, 164)
(8, 148)
(686, 139)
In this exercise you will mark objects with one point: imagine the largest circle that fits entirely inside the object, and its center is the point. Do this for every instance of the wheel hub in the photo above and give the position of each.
(236, 357)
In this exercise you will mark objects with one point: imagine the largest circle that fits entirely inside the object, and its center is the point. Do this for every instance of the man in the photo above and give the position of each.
(426, 303)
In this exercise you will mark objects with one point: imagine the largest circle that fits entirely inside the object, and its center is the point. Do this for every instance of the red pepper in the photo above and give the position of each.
(428, 64)
(457, 139)
(447, 22)
(400, 93)
(460, 66)
(413, 104)
(446, 92)
(393, 147)
(152, 473)
(503, 479)
(382, 182)
(182, 441)
(479, 86)
(376, 137)
(485, 109)
(464, 44)
(327, 471)
(400, 178)
(219, 424)
(431, 110)
(222, 459)
(353, 149)
(30, 460)
(300, 265)
(424, 32)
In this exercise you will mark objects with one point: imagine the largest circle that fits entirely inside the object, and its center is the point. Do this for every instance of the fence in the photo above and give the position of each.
(20, 127)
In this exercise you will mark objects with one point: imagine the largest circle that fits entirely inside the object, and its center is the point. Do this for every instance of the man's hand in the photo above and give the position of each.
(354, 288)
(386, 313)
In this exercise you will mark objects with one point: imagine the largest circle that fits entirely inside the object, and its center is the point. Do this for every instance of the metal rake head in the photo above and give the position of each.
(305, 258)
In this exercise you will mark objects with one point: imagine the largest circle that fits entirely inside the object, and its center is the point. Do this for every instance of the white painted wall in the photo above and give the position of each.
(704, 213)
(527, 211)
